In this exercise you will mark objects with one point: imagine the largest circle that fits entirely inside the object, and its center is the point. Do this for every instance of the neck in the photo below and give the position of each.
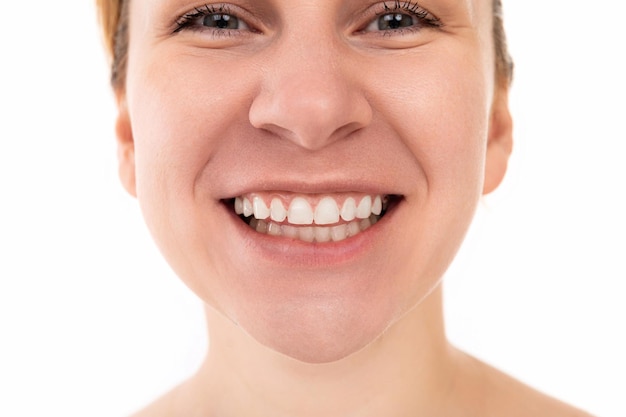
(407, 370)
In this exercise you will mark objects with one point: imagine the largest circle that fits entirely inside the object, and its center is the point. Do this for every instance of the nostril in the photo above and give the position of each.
(310, 109)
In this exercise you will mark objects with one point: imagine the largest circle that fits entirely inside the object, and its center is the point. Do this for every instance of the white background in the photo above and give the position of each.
(93, 322)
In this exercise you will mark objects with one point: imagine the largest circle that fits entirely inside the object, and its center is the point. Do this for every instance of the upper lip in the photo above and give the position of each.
(308, 187)
(367, 166)
(253, 178)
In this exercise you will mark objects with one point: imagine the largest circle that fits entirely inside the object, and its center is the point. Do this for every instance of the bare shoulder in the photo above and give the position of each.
(498, 394)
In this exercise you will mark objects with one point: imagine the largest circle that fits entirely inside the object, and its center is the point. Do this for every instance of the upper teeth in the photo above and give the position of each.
(301, 212)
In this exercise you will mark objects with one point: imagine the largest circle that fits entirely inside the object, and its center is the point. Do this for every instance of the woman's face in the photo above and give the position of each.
(302, 111)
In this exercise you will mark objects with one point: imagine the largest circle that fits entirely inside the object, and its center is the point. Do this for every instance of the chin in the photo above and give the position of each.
(315, 343)
(318, 328)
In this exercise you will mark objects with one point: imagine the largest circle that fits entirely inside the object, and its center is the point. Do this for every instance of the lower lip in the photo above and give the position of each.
(297, 253)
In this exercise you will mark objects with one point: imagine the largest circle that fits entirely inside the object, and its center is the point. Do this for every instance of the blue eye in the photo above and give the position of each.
(401, 16)
(392, 21)
(216, 18)
(222, 21)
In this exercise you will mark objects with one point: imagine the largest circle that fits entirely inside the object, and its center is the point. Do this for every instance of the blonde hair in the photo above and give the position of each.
(114, 21)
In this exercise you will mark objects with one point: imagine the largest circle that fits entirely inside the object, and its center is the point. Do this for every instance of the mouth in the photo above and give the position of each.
(311, 218)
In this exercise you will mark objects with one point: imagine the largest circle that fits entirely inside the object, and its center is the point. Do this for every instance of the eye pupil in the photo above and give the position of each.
(221, 21)
(394, 21)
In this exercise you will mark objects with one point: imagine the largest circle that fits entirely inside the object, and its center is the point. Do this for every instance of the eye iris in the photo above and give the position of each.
(221, 21)
(394, 21)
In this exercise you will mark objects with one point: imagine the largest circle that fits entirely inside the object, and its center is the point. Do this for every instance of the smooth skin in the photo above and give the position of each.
(312, 97)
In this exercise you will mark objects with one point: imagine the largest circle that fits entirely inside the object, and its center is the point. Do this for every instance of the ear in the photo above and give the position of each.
(125, 147)
(500, 141)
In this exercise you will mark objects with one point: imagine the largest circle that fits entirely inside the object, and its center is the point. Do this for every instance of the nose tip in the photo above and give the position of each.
(310, 109)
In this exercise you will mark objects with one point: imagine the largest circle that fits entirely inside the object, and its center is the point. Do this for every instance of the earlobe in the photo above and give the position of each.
(125, 148)
(500, 142)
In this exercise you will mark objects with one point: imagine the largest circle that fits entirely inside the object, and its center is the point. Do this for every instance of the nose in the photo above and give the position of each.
(310, 95)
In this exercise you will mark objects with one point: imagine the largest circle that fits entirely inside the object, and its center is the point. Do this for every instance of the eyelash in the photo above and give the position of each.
(425, 19)
(188, 20)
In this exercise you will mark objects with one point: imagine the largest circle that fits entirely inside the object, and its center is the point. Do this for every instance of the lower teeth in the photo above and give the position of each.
(319, 234)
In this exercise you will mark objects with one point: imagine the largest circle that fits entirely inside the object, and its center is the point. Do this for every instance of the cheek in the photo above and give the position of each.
(181, 116)
(180, 112)
(441, 112)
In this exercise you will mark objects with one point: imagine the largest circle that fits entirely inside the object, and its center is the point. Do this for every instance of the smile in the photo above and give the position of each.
(311, 218)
